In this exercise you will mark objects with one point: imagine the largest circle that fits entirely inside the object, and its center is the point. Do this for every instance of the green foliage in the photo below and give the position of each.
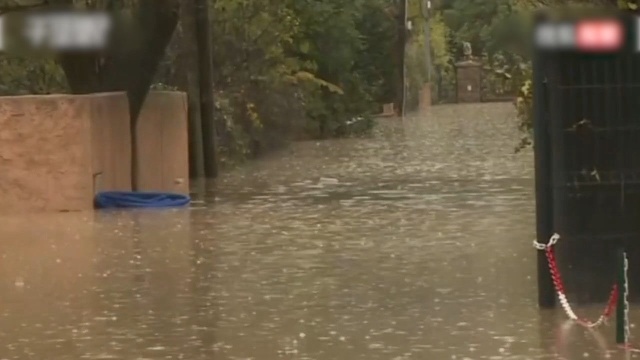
(286, 69)
(22, 76)
(295, 69)
(443, 55)
(163, 87)
(347, 44)
(283, 69)
(497, 32)
(524, 107)
(441, 35)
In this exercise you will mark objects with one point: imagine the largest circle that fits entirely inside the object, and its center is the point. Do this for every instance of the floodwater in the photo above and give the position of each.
(413, 244)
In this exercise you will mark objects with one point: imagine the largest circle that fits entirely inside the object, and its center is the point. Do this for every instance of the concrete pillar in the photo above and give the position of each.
(468, 81)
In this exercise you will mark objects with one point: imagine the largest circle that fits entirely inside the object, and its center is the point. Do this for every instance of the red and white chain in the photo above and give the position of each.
(627, 329)
(559, 287)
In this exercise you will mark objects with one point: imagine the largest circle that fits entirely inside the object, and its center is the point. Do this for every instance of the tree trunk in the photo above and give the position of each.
(205, 63)
(196, 138)
(129, 64)
(400, 55)
(188, 59)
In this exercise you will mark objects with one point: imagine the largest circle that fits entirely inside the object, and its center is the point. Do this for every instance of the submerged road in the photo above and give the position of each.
(412, 244)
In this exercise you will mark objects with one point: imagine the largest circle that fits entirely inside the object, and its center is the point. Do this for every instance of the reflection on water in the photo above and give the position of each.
(414, 244)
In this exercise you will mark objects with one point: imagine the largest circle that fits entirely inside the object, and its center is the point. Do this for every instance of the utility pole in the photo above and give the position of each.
(426, 13)
(405, 18)
(205, 63)
(188, 33)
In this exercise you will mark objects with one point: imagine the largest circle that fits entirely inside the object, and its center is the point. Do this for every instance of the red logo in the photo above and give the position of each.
(599, 35)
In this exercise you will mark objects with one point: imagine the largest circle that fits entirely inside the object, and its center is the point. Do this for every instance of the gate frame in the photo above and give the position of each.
(543, 185)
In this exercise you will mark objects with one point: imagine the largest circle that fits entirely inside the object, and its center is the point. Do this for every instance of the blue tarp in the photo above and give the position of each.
(134, 199)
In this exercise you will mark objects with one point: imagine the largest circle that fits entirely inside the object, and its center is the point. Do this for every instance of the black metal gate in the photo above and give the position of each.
(587, 149)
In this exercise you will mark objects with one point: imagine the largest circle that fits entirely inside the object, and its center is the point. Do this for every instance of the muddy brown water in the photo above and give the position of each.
(412, 244)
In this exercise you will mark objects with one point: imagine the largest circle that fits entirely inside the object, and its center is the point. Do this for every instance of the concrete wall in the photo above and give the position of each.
(163, 143)
(111, 142)
(57, 151)
(45, 153)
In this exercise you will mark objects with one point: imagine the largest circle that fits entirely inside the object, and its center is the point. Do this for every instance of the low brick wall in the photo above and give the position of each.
(57, 151)
(111, 142)
(163, 143)
(45, 153)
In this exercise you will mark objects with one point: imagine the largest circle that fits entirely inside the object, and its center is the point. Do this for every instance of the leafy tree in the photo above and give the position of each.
(283, 69)
(347, 44)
